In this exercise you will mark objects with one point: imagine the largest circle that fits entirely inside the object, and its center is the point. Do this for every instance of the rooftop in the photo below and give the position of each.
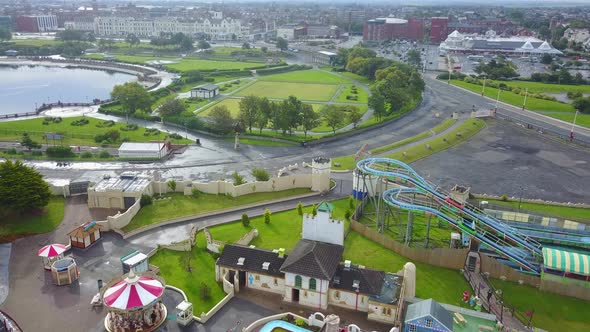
(124, 183)
(208, 87)
(131, 146)
(390, 289)
(369, 281)
(253, 259)
(314, 259)
(429, 308)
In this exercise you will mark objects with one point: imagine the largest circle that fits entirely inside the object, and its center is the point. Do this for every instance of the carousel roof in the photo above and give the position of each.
(51, 250)
(133, 292)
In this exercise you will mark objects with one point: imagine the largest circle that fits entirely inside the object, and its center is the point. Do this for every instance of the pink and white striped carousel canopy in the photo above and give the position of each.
(51, 250)
(133, 292)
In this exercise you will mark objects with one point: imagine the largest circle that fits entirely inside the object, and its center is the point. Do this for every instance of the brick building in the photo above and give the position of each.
(438, 29)
(36, 23)
(393, 28)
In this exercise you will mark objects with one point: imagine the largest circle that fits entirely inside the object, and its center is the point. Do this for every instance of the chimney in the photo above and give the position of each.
(281, 252)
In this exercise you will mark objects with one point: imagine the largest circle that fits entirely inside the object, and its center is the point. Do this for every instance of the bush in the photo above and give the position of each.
(151, 132)
(59, 151)
(245, 220)
(11, 151)
(347, 215)
(175, 136)
(238, 179)
(130, 127)
(300, 209)
(299, 322)
(195, 193)
(86, 154)
(504, 198)
(104, 154)
(145, 200)
(105, 124)
(260, 174)
(111, 136)
(574, 95)
(205, 291)
(37, 153)
(267, 216)
(80, 122)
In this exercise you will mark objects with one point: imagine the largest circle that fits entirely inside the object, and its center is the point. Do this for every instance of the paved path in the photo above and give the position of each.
(5, 250)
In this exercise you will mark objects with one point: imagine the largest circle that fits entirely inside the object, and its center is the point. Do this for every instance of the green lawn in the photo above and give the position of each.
(362, 95)
(553, 312)
(181, 205)
(356, 77)
(232, 104)
(282, 90)
(517, 100)
(197, 64)
(582, 120)
(399, 143)
(14, 226)
(447, 123)
(34, 42)
(306, 76)
(263, 142)
(539, 87)
(554, 210)
(73, 135)
(459, 134)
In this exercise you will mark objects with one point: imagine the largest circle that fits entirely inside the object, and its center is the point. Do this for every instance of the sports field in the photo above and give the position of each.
(309, 76)
(282, 90)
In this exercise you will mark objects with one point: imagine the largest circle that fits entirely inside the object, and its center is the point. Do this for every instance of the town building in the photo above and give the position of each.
(438, 29)
(389, 28)
(457, 42)
(6, 23)
(36, 23)
(313, 274)
(119, 192)
(80, 24)
(151, 150)
(324, 57)
(206, 91)
(291, 31)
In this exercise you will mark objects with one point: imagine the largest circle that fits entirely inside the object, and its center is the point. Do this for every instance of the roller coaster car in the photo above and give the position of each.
(452, 202)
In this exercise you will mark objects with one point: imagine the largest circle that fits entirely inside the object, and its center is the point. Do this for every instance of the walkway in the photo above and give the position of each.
(504, 314)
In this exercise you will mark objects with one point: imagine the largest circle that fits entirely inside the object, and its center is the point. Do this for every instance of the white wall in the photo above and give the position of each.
(348, 300)
(376, 312)
(314, 299)
(323, 228)
(265, 283)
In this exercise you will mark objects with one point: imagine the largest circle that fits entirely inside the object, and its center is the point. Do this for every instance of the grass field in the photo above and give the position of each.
(538, 87)
(517, 100)
(282, 90)
(73, 135)
(196, 64)
(553, 312)
(362, 95)
(447, 123)
(180, 205)
(306, 76)
(554, 210)
(356, 77)
(582, 120)
(263, 142)
(459, 134)
(14, 226)
(34, 42)
(232, 104)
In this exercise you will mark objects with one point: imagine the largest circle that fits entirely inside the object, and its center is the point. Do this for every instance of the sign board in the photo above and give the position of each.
(54, 136)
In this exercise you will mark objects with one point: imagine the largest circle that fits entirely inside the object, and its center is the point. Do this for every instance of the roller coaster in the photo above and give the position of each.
(395, 184)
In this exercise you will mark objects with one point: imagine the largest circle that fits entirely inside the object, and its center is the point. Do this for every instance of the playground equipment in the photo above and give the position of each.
(391, 183)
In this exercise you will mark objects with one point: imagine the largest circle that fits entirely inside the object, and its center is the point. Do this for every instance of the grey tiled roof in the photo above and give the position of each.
(370, 281)
(314, 259)
(429, 308)
(253, 259)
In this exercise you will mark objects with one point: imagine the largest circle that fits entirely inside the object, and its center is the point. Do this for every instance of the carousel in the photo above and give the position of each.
(134, 303)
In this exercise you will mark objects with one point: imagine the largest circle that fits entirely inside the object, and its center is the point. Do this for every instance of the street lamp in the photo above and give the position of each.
(573, 125)
(484, 85)
(497, 99)
(520, 197)
(526, 93)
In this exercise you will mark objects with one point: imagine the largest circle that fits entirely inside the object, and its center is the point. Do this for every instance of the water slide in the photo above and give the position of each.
(420, 196)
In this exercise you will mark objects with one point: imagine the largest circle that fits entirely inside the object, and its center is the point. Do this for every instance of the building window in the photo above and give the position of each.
(428, 322)
(362, 299)
(412, 328)
(257, 277)
(312, 284)
(337, 295)
(298, 281)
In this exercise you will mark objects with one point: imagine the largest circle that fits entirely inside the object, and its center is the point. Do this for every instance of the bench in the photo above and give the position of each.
(484, 328)
(460, 318)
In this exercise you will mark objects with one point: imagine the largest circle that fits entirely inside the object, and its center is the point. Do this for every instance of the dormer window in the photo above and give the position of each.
(241, 261)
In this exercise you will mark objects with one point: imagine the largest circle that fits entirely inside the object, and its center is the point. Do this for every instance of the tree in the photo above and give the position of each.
(246, 46)
(22, 188)
(333, 116)
(300, 209)
(238, 178)
(172, 185)
(186, 44)
(132, 40)
(171, 107)
(377, 103)
(282, 44)
(309, 118)
(249, 111)
(546, 59)
(264, 49)
(5, 35)
(28, 143)
(264, 113)
(132, 97)
(69, 35)
(582, 104)
(245, 220)
(414, 57)
(351, 202)
(203, 45)
(291, 113)
(222, 120)
(267, 216)
(354, 116)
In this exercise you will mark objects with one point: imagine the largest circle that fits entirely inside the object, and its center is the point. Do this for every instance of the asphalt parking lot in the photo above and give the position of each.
(507, 159)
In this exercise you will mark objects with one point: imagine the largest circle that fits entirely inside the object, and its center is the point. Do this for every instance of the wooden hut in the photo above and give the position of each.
(85, 235)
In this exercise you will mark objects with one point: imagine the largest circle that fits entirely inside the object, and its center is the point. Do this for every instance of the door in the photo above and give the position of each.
(231, 276)
(128, 201)
(242, 277)
(295, 295)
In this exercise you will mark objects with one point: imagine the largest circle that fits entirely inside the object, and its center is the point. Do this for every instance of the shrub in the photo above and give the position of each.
(195, 192)
(504, 198)
(245, 220)
(110, 136)
(130, 127)
(80, 122)
(11, 151)
(175, 136)
(314, 211)
(347, 215)
(300, 209)
(574, 94)
(267, 216)
(105, 124)
(37, 153)
(104, 154)
(299, 322)
(238, 179)
(172, 185)
(86, 154)
(351, 202)
(151, 132)
(260, 174)
(205, 291)
(59, 151)
(145, 200)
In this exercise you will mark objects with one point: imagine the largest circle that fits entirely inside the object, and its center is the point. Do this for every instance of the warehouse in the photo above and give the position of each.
(152, 150)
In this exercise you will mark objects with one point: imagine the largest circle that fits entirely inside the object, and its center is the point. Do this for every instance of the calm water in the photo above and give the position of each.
(22, 87)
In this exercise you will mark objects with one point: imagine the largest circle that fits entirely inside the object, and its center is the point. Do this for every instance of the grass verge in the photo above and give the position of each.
(14, 226)
(554, 210)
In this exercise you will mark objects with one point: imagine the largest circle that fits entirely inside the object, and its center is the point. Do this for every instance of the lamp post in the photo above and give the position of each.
(521, 188)
(497, 99)
(483, 86)
(526, 93)
(573, 125)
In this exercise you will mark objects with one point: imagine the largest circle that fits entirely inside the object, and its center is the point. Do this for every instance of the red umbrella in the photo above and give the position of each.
(51, 250)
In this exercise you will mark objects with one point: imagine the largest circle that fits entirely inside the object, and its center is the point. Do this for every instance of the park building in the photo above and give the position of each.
(457, 42)
(324, 57)
(206, 91)
(313, 274)
(119, 192)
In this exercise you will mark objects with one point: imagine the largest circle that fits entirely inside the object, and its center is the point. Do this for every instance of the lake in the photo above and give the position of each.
(24, 86)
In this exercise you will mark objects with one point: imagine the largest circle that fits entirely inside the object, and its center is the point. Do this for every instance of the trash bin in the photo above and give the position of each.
(100, 284)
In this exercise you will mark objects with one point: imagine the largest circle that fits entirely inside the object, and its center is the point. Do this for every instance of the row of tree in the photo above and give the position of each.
(285, 116)
(182, 41)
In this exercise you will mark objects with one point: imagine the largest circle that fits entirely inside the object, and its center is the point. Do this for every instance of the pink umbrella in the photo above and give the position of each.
(133, 292)
(52, 250)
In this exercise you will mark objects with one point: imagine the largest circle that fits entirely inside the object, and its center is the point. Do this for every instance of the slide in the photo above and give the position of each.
(419, 195)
